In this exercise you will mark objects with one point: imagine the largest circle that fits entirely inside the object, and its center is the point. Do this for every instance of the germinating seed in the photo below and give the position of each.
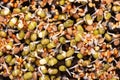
(59, 39)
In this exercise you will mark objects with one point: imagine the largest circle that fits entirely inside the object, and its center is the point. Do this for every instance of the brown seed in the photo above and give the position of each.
(118, 64)
(115, 51)
(69, 31)
(110, 59)
(108, 1)
(27, 35)
(10, 33)
(101, 40)
(5, 74)
(39, 74)
(109, 76)
(2, 19)
(116, 42)
(2, 59)
(89, 28)
(100, 12)
(82, 50)
(5, 1)
(82, 74)
(34, 75)
(80, 45)
(21, 47)
(68, 36)
(92, 75)
(76, 16)
(16, 40)
(16, 50)
(55, 41)
(44, 54)
(118, 16)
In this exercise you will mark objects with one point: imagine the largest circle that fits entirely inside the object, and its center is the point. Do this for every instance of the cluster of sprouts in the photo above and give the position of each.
(60, 39)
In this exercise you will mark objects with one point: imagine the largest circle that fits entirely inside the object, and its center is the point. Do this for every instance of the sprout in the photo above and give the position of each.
(51, 45)
(68, 63)
(70, 52)
(5, 11)
(107, 15)
(1, 53)
(44, 60)
(116, 8)
(80, 28)
(62, 17)
(32, 46)
(62, 40)
(80, 56)
(62, 68)
(42, 34)
(108, 37)
(52, 71)
(44, 77)
(8, 58)
(27, 75)
(16, 10)
(52, 61)
(40, 42)
(16, 72)
(33, 37)
(45, 41)
(29, 67)
(32, 25)
(28, 16)
(21, 35)
(62, 2)
(20, 25)
(41, 13)
(3, 34)
(78, 37)
(12, 22)
(88, 19)
(68, 23)
(71, 0)
(43, 69)
(60, 57)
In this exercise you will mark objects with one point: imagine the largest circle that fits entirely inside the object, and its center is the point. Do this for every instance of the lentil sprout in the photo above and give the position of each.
(60, 39)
